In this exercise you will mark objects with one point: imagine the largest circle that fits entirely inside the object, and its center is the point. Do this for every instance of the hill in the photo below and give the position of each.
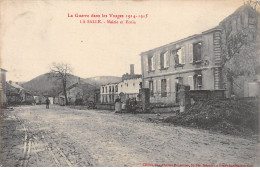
(47, 84)
(102, 80)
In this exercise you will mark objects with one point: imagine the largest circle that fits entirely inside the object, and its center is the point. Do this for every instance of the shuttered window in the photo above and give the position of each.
(158, 61)
(159, 87)
(155, 86)
(151, 87)
(191, 82)
(197, 51)
(168, 87)
(182, 56)
(191, 53)
(163, 88)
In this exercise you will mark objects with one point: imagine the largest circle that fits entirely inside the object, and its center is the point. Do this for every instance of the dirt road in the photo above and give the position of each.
(60, 136)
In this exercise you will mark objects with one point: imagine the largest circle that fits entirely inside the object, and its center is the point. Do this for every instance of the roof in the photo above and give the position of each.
(182, 40)
(82, 85)
(17, 86)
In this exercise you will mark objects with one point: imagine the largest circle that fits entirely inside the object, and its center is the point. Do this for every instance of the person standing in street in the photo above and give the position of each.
(47, 103)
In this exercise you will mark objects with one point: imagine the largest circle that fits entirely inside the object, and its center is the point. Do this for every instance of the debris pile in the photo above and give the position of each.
(235, 117)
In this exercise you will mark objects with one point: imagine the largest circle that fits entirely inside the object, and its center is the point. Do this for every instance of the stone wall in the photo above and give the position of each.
(240, 49)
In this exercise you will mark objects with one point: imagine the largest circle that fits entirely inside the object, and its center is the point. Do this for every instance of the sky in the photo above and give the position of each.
(34, 34)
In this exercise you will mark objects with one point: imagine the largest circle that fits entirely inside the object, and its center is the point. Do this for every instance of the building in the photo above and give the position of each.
(78, 92)
(240, 52)
(16, 94)
(225, 57)
(3, 87)
(108, 92)
(194, 61)
(127, 88)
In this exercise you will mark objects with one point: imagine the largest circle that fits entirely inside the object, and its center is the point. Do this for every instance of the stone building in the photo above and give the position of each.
(80, 91)
(108, 92)
(16, 94)
(127, 88)
(223, 58)
(240, 52)
(193, 61)
(3, 87)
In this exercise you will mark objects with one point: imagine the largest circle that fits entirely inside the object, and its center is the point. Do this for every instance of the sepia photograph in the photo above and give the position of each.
(138, 83)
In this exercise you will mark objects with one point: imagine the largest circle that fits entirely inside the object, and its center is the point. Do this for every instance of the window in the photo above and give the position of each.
(133, 84)
(179, 57)
(197, 81)
(163, 88)
(151, 87)
(151, 62)
(164, 60)
(113, 88)
(109, 88)
(197, 52)
(116, 88)
(179, 80)
(102, 89)
(106, 89)
(140, 85)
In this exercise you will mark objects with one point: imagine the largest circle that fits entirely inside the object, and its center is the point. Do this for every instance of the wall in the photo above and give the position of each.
(240, 62)
(3, 87)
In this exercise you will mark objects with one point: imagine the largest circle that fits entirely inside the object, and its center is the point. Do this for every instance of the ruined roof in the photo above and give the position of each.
(17, 86)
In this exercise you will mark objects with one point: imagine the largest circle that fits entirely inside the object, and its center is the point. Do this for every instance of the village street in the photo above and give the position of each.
(61, 136)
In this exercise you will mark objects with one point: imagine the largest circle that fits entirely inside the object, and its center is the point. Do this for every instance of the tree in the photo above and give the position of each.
(61, 72)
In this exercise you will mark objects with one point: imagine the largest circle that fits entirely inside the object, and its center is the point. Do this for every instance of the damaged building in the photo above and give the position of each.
(205, 61)
(127, 88)
(193, 61)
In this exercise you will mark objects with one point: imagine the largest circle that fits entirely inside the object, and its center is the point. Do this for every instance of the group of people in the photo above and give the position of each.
(130, 104)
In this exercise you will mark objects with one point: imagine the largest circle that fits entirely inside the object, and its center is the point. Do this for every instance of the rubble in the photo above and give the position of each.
(234, 117)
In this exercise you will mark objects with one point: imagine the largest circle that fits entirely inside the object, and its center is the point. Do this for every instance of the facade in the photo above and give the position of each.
(3, 87)
(127, 88)
(240, 51)
(79, 91)
(194, 61)
(16, 94)
(108, 93)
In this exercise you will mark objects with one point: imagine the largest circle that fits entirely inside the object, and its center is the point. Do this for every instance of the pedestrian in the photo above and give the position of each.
(47, 103)
(118, 105)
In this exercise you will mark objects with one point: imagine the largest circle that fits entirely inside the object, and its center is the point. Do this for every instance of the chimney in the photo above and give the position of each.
(10, 81)
(132, 69)
(79, 80)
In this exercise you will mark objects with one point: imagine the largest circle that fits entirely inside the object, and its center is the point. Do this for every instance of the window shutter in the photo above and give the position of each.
(146, 63)
(182, 60)
(153, 64)
(190, 82)
(167, 58)
(154, 87)
(168, 88)
(159, 61)
(159, 87)
(191, 53)
(146, 84)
